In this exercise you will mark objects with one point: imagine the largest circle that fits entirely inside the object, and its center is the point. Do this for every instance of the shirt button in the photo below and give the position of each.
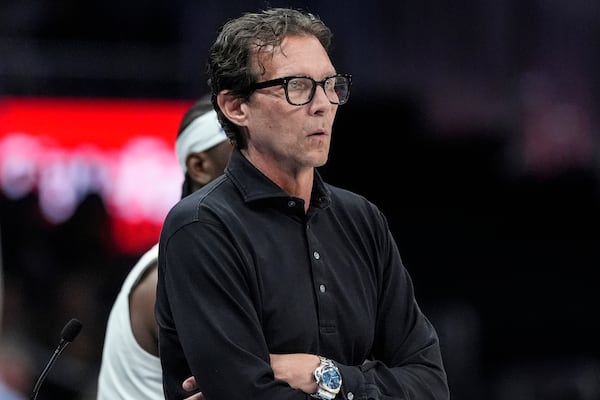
(350, 395)
(291, 203)
(322, 288)
(316, 255)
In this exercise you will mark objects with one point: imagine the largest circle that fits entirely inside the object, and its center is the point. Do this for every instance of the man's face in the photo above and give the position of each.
(293, 137)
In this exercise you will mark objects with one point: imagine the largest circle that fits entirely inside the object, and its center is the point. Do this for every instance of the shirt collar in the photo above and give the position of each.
(254, 185)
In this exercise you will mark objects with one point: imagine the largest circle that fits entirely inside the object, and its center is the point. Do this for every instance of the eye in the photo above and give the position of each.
(299, 84)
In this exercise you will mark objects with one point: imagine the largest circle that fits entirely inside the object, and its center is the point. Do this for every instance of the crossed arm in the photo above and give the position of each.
(295, 369)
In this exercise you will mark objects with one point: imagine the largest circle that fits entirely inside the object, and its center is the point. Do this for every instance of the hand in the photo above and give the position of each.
(189, 385)
(296, 369)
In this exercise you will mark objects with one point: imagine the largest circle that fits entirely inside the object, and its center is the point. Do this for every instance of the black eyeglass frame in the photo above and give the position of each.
(286, 79)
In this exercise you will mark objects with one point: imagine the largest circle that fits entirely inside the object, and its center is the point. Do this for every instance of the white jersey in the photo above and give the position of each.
(127, 371)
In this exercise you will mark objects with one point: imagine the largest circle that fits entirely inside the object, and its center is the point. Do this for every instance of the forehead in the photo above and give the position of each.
(295, 55)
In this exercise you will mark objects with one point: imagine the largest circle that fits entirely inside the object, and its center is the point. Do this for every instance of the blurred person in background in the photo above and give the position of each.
(273, 284)
(15, 361)
(130, 367)
(16, 368)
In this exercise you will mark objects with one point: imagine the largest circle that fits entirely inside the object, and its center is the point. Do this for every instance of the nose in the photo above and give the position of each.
(322, 94)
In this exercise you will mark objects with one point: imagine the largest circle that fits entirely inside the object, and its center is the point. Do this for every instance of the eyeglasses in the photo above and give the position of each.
(300, 90)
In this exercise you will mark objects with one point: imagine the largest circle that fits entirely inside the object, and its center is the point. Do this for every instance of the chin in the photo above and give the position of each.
(320, 161)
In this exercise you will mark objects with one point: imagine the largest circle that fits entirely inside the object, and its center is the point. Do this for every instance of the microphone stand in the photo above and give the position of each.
(69, 332)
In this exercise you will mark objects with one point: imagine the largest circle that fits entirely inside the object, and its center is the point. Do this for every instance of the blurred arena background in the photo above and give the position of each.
(482, 118)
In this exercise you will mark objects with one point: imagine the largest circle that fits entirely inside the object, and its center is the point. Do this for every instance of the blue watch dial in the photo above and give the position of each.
(331, 378)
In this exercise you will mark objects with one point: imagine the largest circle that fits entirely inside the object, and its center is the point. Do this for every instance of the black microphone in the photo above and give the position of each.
(68, 334)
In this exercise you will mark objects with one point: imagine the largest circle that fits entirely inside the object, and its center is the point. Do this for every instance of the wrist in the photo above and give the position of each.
(328, 378)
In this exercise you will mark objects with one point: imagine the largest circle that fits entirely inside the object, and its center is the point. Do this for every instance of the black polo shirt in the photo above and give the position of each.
(244, 272)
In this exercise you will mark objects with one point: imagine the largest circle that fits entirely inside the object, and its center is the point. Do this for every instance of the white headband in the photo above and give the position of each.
(202, 134)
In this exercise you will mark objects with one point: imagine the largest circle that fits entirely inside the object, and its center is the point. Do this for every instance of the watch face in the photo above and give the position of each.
(331, 378)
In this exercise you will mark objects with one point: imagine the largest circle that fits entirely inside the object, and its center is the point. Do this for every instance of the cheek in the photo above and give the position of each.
(272, 118)
(276, 117)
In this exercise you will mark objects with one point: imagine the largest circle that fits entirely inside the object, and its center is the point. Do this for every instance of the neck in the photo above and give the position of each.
(294, 180)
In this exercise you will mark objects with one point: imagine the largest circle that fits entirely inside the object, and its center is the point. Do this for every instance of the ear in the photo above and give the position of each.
(198, 167)
(232, 107)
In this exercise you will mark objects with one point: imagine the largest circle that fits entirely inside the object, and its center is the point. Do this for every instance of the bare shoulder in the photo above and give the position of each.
(141, 310)
(146, 286)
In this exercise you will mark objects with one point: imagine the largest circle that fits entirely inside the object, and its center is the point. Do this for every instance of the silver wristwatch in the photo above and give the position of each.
(329, 380)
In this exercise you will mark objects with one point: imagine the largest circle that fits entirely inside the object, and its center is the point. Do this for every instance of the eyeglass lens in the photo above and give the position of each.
(301, 90)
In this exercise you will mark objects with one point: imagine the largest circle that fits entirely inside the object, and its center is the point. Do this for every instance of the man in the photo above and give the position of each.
(130, 367)
(272, 283)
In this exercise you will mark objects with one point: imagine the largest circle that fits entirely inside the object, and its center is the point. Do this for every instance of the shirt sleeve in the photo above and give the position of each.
(206, 307)
(406, 362)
